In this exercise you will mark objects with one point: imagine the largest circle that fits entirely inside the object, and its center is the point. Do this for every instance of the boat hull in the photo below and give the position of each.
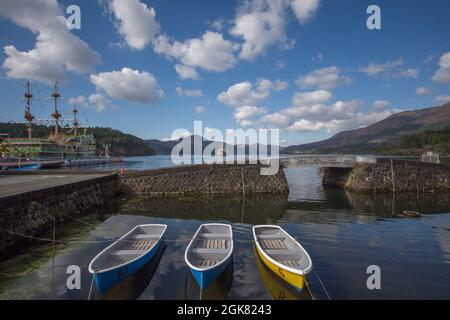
(31, 167)
(296, 280)
(205, 278)
(278, 289)
(106, 280)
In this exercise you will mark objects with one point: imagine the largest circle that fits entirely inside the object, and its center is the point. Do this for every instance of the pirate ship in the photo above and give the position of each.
(73, 143)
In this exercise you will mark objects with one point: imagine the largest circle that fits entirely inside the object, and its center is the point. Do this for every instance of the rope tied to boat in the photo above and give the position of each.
(322, 285)
(54, 240)
(91, 287)
(99, 241)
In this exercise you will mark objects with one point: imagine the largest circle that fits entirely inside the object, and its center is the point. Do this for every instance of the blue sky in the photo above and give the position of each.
(314, 70)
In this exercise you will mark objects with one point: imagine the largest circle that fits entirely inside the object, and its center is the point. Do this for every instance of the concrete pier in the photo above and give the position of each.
(204, 179)
(31, 202)
(16, 184)
(387, 176)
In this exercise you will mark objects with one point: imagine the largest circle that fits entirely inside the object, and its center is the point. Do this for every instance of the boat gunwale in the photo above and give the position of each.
(301, 272)
(200, 269)
(123, 238)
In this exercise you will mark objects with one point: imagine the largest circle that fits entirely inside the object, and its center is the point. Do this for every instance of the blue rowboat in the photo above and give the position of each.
(209, 252)
(126, 255)
(30, 167)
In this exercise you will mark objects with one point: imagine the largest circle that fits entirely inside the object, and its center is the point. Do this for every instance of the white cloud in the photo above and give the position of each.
(96, 102)
(280, 85)
(422, 91)
(259, 23)
(211, 52)
(359, 120)
(244, 93)
(262, 23)
(80, 101)
(135, 21)
(326, 78)
(188, 92)
(391, 69)
(310, 111)
(245, 97)
(373, 69)
(408, 73)
(442, 99)
(128, 84)
(100, 102)
(243, 114)
(380, 105)
(305, 9)
(318, 58)
(56, 49)
(200, 109)
(442, 75)
(186, 72)
(311, 98)
(218, 24)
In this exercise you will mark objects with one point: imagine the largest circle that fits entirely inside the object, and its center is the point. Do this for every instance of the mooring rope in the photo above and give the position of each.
(53, 252)
(56, 241)
(323, 286)
(91, 287)
(102, 240)
(243, 182)
(78, 220)
(392, 176)
(95, 195)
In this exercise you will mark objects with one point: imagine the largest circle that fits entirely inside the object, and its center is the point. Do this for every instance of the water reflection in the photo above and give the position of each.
(343, 202)
(256, 209)
(133, 286)
(218, 290)
(278, 289)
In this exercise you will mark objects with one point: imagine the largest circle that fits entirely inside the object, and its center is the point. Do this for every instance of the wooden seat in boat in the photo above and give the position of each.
(212, 244)
(122, 253)
(145, 236)
(291, 263)
(273, 244)
(142, 244)
(208, 263)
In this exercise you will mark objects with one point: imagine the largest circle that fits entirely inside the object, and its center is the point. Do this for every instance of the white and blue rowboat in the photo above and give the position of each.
(127, 255)
(30, 167)
(209, 252)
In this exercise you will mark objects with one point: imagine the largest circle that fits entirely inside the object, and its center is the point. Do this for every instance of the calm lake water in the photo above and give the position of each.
(344, 233)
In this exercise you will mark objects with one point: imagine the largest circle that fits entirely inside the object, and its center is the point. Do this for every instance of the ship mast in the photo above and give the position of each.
(75, 120)
(27, 115)
(56, 115)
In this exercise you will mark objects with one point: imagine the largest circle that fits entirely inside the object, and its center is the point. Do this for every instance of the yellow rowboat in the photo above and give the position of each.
(277, 288)
(282, 254)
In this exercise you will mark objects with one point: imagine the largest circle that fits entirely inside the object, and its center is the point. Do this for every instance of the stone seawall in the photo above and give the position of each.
(204, 179)
(390, 176)
(33, 213)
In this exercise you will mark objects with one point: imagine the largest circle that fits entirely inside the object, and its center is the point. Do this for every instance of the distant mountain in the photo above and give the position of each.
(164, 147)
(378, 136)
(122, 144)
(161, 147)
